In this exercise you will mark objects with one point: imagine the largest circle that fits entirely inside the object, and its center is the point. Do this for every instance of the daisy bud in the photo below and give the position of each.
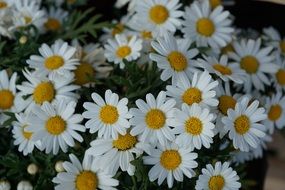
(24, 185)
(5, 185)
(23, 39)
(59, 167)
(32, 169)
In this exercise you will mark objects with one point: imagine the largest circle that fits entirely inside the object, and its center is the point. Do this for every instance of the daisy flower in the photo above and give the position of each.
(273, 38)
(275, 108)
(56, 17)
(173, 59)
(222, 68)
(109, 117)
(55, 60)
(56, 125)
(170, 161)
(121, 49)
(159, 15)
(194, 126)
(279, 76)
(200, 90)
(117, 153)
(243, 124)
(255, 61)
(83, 176)
(207, 27)
(23, 138)
(39, 89)
(219, 176)
(152, 119)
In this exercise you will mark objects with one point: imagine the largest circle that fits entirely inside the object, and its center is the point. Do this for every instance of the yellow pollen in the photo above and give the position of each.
(118, 29)
(109, 114)
(146, 35)
(86, 180)
(177, 61)
(225, 103)
(3, 5)
(54, 62)
(155, 119)
(227, 49)
(242, 124)
(282, 46)
(123, 51)
(83, 73)
(280, 76)
(158, 14)
(224, 70)
(216, 182)
(52, 24)
(170, 159)
(194, 126)
(275, 112)
(250, 64)
(192, 95)
(28, 19)
(27, 134)
(205, 27)
(215, 3)
(125, 142)
(55, 125)
(6, 99)
(44, 92)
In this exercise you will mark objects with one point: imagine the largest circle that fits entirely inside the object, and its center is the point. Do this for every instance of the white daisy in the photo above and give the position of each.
(56, 125)
(207, 27)
(85, 176)
(275, 108)
(273, 38)
(225, 70)
(159, 16)
(117, 153)
(173, 59)
(220, 176)
(39, 89)
(170, 161)
(243, 124)
(200, 90)
(109, 117)
(194, 126)
(255, 61)
(121, 49)
(279, 77)
(57, 59)
(152, 119)
(56, 17)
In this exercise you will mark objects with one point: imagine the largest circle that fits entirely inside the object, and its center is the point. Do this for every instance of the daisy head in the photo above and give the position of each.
(109, 117)
(273, 38)
(279, 75)
(151, 119)
(56, 125)
(83, 176)
(56, 17)
(243, 124)
(173, 59)
(170, 162)
(218, 177)
(200, 90)
(56, 59)
(119, 49)
(207, 27)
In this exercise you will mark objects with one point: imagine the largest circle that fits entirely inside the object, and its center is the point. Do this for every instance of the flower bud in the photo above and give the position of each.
(4, 185)
(32, 169)
(24, 185)
(59, 166)
(23, 39)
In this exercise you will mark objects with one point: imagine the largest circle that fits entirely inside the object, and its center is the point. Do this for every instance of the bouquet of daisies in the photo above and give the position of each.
(170, 95)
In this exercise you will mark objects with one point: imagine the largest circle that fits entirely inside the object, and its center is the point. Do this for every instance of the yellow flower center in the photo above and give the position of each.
(170, 159)
(177, 61)
(109, 114)
(192, 95)
(28, 19)
(125, 142)
(123, 51)
(3, 5)
(118, 29)
(83, 73)
(275, 112)
(27, 134)
(205, 27)
(54, 62)
(155, 119)
(44, 92)
(158, 14)
(225, 103)
(86, 180)
(250, 64)
(215, 3)
(6, 99)
(216, 182)
(55, 125)
(280, 76)
(52, 24)
(282, 46)
(242, 124)
(146, 35)
(224, 70)
(227, 49)
(194, 126)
